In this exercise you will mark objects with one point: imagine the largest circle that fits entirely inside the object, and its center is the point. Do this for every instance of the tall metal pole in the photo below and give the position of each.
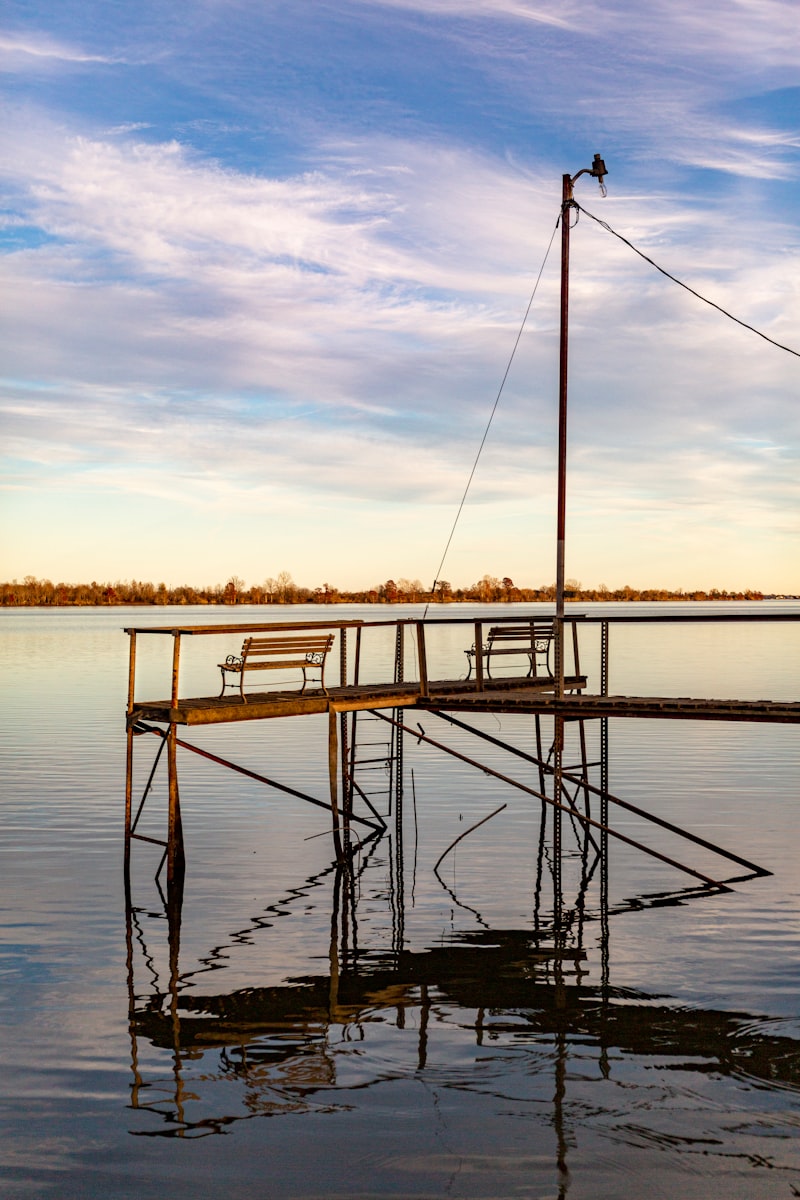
(561, 520)
(598, 170)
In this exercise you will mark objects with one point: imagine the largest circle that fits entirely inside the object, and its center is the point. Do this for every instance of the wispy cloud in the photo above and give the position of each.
(34, 51)
(562, 16)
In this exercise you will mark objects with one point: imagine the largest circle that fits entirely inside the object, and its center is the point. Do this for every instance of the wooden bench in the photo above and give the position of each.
(278, 652)
(533, 640)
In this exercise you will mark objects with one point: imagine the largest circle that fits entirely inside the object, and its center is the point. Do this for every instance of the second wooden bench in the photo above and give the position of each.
(531, 640)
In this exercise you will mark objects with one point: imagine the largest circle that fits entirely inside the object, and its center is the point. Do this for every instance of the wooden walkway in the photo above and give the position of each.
(499, 695)
(214, 710)
(358, 655)
(585, 707)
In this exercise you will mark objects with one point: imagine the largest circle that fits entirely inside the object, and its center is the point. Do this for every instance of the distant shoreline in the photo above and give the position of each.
(31, 592)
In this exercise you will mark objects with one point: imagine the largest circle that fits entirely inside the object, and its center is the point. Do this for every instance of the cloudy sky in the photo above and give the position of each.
(265, 262)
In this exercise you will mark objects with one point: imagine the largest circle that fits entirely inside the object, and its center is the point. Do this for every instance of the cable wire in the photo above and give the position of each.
(685, 286)
(491, 414)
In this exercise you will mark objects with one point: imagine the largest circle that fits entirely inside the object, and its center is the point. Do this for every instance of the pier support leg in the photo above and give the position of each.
(347, 791)
(346, 785)
(176, 862)
(128, 809)
(604, 664)
(333, 772)
(129, 760)
(558, 767)
(396, 792)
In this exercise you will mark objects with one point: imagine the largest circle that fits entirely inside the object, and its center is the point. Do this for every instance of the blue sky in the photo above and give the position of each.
(265, 263)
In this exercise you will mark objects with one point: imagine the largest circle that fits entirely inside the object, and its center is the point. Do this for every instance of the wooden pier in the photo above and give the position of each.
(527, 685)
(530, 694)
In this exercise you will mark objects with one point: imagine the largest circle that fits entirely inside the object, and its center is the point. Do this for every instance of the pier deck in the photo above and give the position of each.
(215, 710)
(585, 707)
(498, 695)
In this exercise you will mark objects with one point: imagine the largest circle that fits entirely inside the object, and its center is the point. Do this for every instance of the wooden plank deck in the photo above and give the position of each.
(498, 695)
(215, 710)
(587, 707)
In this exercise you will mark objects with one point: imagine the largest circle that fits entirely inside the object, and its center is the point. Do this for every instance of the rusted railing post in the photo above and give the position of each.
(423, 661)
(343, 657)
(478, 656)
(576, 658)
(176, 666)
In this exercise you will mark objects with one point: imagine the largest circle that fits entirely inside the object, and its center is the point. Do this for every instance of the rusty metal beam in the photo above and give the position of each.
(420, 736)
(281, 787)
(602, 793)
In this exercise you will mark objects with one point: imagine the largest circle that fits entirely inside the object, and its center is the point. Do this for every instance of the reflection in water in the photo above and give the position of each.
(508, 1018)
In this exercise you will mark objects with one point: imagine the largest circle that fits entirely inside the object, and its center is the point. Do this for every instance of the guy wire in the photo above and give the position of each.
(685, 286)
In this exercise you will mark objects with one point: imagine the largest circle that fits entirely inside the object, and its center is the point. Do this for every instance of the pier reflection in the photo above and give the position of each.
(511, 1015)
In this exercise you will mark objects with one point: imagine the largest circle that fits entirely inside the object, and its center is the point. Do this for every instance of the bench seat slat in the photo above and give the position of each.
(247, 665)
(267, 666)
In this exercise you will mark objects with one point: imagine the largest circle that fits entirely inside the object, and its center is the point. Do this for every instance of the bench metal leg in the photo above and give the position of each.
(321, 677)
(224, 685)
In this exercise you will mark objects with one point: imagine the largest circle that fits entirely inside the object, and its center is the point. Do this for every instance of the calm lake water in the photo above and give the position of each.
(291, 1030)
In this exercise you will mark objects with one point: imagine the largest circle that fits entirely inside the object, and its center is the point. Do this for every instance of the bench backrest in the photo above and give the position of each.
(286, 645)
(520, 633)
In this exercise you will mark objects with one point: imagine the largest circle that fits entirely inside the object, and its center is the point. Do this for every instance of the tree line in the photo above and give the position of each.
(283, 590)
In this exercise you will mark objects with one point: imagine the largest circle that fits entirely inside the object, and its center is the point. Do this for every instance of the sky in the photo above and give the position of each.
(265, 263)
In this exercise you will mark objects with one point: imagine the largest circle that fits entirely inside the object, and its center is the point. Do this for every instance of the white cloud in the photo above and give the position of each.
(362, 289)
(34, 51)
(562, 15)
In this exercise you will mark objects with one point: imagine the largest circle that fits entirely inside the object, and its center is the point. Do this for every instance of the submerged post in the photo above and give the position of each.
(333, 769)
(176, 861)
(175, 853)
(129, 753)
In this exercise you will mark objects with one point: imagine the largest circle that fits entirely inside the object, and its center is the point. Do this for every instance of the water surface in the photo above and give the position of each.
(297, 1031)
